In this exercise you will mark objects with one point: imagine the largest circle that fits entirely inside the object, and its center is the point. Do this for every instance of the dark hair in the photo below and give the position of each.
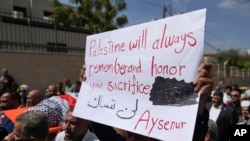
(218, 93)
(14, 96)
(228, 87)
(238, 90)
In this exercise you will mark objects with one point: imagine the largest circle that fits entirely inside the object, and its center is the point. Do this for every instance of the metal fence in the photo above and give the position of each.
(33, 34)
(230, 72)
(230, 75)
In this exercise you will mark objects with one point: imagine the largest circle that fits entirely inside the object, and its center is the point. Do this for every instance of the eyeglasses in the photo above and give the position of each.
(234, 95)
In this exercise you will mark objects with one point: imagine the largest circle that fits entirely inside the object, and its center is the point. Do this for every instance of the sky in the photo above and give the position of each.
(227, 21)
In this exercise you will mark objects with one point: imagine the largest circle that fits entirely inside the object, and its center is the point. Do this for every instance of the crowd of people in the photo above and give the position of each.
(228, 105)
(43, 111)
(54, 102)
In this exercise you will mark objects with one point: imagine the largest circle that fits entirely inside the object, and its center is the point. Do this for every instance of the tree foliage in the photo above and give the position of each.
(95, 15)
(234, 58)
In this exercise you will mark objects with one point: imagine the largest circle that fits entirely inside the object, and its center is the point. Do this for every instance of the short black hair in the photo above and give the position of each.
(218, 93)
(228, 87)
(238, 90)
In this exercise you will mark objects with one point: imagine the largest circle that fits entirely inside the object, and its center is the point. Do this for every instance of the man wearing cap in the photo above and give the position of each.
(244, 118)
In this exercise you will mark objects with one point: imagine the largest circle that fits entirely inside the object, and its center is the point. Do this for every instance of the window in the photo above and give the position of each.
(19, 12)
(57, 47)
(46, 15)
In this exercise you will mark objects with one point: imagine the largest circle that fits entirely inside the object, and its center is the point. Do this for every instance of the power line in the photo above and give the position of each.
(212, 46)
(232, 44)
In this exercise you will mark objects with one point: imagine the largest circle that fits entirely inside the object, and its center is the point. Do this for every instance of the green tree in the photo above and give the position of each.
(234, 58)
(63, 15)
(95, 15)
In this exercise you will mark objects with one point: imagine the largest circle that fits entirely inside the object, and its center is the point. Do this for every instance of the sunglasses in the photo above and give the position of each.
(234, 95)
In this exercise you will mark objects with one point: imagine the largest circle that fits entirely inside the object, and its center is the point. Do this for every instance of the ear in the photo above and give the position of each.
(207, 137)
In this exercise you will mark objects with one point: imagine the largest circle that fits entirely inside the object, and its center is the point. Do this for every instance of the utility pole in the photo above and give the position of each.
(31, 8)
(164, 10)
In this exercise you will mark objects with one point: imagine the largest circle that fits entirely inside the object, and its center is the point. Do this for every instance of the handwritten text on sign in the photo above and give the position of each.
(140, 78)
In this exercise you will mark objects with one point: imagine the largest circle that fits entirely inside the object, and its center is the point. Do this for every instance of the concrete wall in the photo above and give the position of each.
(38, 70)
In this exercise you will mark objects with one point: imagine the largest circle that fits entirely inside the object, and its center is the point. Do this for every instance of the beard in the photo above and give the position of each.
(68, 137)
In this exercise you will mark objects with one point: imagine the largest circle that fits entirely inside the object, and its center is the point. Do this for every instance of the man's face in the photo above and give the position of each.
(32, 98)
(75, 128)
(228, 91)
(244, 111)
(6, 103)
(235, 96)
(52, 90)
(216, 100)
(18, 131)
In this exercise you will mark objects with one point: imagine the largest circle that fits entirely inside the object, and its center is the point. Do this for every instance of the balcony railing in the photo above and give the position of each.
(20, 33)
(27, 47)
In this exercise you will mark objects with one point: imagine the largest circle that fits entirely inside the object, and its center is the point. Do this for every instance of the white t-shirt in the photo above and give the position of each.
(214, 113)
(89, 136)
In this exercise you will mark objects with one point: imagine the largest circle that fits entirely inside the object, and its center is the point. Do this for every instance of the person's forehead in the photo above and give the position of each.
(235, 92)
(52, 87)
(69, 116)
(6, 95)
(244, 108)
(4, 70)
(31, 94)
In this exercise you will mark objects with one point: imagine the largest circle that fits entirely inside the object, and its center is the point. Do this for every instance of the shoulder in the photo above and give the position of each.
(228, 107)
(90, 137)
(60, 136)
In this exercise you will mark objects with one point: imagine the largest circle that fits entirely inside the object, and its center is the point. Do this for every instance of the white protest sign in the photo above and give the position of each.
(140, 78)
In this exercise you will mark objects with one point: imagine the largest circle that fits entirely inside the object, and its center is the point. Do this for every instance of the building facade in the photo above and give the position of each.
(26, 25)
(36, 51)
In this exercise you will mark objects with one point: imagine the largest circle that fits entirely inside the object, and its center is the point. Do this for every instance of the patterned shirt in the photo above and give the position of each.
(55, 108)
